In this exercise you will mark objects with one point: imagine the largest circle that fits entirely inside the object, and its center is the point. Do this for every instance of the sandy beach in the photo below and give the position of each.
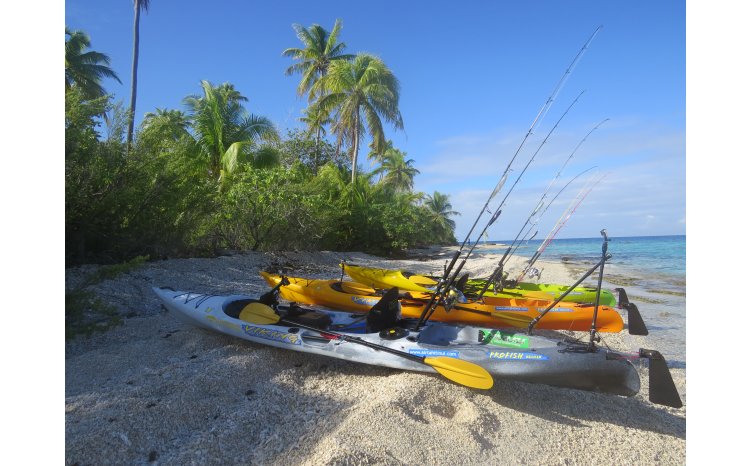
(156, 391)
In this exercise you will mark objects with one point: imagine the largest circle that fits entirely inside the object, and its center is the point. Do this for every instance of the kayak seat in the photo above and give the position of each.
(352, 288)
(462, 282)
(386, 312)
(309, 317)
(233, 308)
(421, 280)
(318, 320)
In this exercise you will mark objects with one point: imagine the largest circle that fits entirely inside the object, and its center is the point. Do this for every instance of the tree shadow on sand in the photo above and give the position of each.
(197, 397)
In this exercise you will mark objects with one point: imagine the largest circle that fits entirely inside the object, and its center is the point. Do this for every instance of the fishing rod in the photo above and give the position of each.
(499, 269)
(557, 227)
(563, 216)
(441, 292)
(593, 329)
(591, 187)
(600, 265)
(442, 283)
(498, 272)
(559, 174)
(546, 209)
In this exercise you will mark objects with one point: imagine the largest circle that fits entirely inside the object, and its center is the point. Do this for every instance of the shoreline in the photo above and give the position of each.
(156, 389)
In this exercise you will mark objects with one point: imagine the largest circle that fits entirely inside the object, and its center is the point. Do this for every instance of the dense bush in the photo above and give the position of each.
(119, 204)
(162, 198)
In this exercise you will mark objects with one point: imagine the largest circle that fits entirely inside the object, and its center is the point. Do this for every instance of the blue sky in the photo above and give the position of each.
(473, 76)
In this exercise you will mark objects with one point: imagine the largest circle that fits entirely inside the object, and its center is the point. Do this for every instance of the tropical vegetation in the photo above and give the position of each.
(210, 175)
(84, 69)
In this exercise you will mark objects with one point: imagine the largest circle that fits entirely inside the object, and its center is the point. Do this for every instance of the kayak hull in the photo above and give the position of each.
(508, 355)
(492, 312)
(550, 291)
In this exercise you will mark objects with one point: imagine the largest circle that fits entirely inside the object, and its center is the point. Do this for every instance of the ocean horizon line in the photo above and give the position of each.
(509, 241)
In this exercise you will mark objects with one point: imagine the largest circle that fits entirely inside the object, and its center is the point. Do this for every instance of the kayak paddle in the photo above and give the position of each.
(457, 370)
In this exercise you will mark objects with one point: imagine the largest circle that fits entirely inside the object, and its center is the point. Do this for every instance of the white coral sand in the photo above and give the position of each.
(155, 391)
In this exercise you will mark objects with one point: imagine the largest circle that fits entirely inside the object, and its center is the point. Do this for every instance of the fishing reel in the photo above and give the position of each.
(453, 297)
(450, 300)
(534, 272)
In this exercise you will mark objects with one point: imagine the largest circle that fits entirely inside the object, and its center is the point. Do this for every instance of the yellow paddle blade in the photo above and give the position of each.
(461, 372)
(260, 314)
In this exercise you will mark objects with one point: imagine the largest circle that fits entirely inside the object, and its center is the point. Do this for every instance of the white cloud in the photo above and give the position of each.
(644, 192)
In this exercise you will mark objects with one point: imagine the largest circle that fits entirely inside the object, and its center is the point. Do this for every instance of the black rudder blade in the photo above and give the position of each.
(636, 325)
(661, 386)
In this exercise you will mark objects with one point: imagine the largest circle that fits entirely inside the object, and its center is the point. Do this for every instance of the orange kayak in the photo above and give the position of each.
(500, 313)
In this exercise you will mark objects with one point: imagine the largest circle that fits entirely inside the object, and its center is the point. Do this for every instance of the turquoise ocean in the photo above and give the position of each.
(652, 270)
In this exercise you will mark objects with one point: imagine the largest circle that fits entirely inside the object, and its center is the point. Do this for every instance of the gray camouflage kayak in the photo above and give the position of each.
(503, 353)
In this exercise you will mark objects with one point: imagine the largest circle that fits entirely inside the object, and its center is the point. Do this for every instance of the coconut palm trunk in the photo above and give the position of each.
(138, 5)
(134, 74)
(365, 88)
(318, 150)
(356, 147)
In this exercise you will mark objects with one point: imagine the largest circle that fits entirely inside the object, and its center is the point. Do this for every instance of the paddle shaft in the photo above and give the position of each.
(463, 372)
(360, 341)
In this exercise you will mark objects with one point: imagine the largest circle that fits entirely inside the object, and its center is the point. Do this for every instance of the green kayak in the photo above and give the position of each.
(580, 294)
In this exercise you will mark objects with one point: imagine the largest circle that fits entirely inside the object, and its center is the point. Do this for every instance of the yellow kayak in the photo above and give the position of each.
(501, 313)
(386, 278)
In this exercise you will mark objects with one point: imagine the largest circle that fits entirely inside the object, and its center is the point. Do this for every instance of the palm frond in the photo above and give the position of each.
(85, 69)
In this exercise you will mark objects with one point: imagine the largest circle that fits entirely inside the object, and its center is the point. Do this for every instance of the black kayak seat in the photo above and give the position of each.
(295, 313)
(233, 308)
(462, 282)
(386, 312)
(308, 317)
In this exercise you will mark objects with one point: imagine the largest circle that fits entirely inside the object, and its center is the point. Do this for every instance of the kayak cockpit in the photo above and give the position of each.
(292, 313)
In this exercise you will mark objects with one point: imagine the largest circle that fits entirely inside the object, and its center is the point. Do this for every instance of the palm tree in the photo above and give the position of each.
(360, 93)
(265, 157)
(316, 119)
(224, 131)
(166, 124)
(439, 209)
(377, 155)
(399, 173)
(138, 5)
(320, 50)
(167, 132)
(83, 69)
